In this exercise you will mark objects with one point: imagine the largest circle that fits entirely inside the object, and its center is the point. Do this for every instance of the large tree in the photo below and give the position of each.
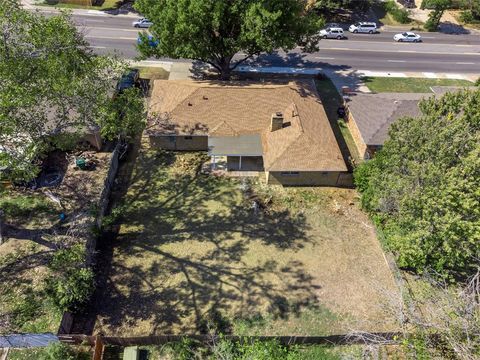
(51, 84)
(213, 31)
(423, 187)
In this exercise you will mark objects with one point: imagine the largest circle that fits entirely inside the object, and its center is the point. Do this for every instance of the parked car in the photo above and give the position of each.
(151, 41)
(128, 80)
(407, 37)
(142, 23)
(363, 27)
(332, 33)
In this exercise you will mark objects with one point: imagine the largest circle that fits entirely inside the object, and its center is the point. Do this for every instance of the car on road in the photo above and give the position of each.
(128, 80)
(150, 41)
(407, 37)
(332, 33)
(142, 23)
(363, 27)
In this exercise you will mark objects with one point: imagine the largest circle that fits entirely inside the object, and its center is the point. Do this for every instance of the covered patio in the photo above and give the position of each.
(236, 153)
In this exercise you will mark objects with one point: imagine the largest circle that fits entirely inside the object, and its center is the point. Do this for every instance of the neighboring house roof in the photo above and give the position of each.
(375, 113)
(305, 143)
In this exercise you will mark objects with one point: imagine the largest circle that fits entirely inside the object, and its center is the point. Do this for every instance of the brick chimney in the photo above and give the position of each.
(276, 122)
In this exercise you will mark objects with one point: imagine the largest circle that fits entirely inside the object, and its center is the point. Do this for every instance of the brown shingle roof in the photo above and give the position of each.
(305, 143)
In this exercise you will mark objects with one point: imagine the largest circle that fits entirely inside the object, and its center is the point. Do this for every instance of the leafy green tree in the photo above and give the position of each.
(328, 7)
(438, 8)
(125, 116)
(51, 84)
(214, 31)
(423, 186)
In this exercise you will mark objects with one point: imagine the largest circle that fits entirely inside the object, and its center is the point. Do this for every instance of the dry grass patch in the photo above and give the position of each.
(193, 254)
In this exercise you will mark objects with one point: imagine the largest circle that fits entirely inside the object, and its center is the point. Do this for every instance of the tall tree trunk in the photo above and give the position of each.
(225, 70)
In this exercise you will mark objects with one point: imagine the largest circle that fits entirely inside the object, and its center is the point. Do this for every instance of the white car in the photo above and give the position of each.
(142, 23)
(407, 37)
(363, 27)
(332, 33)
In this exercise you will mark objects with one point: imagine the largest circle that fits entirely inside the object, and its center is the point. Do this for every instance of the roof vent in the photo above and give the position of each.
(190, 104)
(205, 97)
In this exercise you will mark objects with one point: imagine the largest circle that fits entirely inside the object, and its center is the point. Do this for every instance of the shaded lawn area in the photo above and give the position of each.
(409, 85)
(331, 101)
(192, 255)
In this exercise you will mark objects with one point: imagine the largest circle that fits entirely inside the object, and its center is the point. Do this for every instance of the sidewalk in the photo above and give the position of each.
(33, 5)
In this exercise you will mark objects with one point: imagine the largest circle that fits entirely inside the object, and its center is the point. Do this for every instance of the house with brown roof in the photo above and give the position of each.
(369, 117)
(277, 128)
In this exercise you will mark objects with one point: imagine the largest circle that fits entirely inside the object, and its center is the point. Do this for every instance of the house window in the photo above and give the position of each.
(289, 173)
(188, 137)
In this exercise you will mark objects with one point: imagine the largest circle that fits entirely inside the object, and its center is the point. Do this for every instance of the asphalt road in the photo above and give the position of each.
(378, 52)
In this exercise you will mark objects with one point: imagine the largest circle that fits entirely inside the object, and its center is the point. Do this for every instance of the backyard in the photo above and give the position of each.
(194, 254)
(33, 233)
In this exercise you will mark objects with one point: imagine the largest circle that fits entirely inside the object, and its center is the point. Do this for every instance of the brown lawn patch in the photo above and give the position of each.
(192, 254)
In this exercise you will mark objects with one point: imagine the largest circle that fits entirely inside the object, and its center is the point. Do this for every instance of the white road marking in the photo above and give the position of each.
(397, 61)
(465, 63)
(460, 45)
(324, 58)
(110, 37)
(399, 51)
(98, 47)
(407, 51)
(112, 29)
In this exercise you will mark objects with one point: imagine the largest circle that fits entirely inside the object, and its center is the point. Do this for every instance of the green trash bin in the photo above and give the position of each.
(81, 163)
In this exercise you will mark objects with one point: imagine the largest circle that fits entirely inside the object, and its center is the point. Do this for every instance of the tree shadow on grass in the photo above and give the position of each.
(193, 255)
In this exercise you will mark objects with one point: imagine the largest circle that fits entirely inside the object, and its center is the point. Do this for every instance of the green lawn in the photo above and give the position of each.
(331, 100)
(413, 85)
(152, 72)
(192, 255)
(107, 5)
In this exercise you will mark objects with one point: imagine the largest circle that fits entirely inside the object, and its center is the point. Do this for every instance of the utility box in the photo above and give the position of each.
(131, 353)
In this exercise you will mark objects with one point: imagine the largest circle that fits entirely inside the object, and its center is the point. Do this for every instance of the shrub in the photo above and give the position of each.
(399, 14)
(467, 17)
(71, 283)
(57, 351)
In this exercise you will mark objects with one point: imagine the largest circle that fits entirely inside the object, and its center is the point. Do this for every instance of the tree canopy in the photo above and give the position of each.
(51, 84)
(423, 186)
(213, 31)
(329, 7)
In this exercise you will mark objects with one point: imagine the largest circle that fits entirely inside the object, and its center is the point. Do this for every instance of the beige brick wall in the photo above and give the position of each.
(357, 137)
(180, 143)
(305, 178)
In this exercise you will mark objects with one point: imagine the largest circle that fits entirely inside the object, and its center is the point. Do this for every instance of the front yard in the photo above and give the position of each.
(193, 253)
(409, 85)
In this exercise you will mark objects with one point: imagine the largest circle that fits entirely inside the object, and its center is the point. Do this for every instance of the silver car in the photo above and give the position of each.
(332, 33)
(142, 23)
(407, 37)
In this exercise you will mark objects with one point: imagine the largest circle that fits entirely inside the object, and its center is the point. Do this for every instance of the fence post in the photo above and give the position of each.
(99, 346)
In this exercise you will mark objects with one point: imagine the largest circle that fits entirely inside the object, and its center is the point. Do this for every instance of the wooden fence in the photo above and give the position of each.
(345, 339)
(66, 323)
